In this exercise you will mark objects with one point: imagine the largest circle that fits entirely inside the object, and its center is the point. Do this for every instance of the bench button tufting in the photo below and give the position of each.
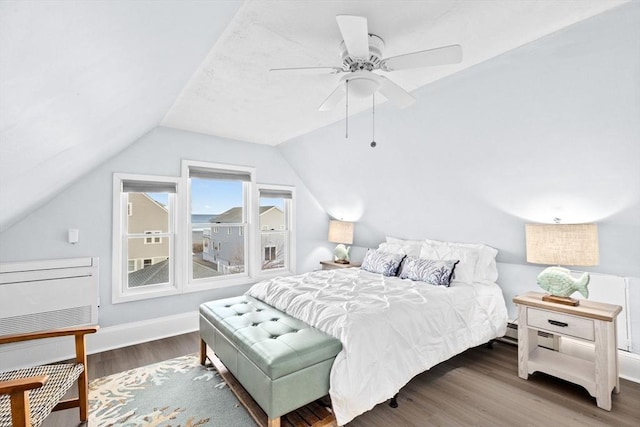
(273, 337)
(254, 324)
(275, 319)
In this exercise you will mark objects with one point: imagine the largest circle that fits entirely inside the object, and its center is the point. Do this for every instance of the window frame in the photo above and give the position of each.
(195, 285)
(289, 267)
(121, 292)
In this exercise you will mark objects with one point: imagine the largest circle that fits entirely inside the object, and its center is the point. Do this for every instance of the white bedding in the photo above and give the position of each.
(390, 329)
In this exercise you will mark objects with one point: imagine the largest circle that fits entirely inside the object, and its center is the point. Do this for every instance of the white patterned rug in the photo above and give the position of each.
(177, 392)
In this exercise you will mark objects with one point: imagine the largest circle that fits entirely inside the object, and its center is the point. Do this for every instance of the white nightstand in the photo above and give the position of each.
(590, 321)
(332, 265)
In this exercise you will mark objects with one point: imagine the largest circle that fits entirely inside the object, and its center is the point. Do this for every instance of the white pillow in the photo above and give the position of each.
(465, 270)
(391, 248)
(486, 269)
(410, 247)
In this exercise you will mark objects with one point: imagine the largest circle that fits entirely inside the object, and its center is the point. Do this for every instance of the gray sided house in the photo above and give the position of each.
(146, 216)
(223, 242)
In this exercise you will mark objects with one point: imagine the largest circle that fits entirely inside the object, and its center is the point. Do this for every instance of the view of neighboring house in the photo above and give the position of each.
(223, 242)
(146, 216)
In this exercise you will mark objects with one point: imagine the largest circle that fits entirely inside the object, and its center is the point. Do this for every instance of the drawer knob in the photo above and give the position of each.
(556, 323)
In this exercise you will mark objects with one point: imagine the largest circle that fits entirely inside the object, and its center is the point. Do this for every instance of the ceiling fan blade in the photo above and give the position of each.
(333, 99)
(309, 70)
(355, 35)
(424, 58)
(395, 93)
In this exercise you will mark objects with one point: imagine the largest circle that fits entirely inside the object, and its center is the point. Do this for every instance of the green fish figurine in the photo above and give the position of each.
(559, 282)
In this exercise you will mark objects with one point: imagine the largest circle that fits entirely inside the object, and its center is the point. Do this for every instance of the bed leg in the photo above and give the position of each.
(203, 352)
(394, 401)
(273, 422)
(490, 345)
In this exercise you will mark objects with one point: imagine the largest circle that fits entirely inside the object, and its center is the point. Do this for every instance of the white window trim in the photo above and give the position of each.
(290, 218)
(119, 290)
(249, 274)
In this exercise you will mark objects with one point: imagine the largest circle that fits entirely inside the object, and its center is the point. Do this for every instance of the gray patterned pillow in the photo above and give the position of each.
(381, 262)
(435, 272)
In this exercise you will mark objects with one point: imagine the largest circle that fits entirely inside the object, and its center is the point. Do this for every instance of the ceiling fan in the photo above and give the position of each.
(361, 54)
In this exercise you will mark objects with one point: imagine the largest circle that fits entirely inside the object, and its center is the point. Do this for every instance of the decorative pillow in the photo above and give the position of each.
(468, 258)
(435, 272)
(486, 269)
(410, 247)
(381, 262)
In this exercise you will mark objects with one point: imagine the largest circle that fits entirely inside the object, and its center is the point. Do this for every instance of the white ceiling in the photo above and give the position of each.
(233, 94)
(79, 81)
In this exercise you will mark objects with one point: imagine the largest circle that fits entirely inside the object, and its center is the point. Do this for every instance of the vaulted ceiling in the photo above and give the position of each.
(80, 81)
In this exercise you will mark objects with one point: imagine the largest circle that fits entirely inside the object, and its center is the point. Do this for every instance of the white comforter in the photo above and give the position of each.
(390, 329)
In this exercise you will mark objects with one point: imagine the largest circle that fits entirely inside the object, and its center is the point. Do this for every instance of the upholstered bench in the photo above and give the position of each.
(281, 361)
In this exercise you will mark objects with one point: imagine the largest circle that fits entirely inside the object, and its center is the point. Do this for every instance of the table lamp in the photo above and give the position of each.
(562, 244)
(341, 232)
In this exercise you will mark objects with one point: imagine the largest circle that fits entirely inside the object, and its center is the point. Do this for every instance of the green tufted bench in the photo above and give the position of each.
(281, 361)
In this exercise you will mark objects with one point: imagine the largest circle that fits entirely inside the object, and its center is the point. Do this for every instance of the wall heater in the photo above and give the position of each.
(47, 294)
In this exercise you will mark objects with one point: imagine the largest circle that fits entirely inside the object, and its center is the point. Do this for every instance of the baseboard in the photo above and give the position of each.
(133, 333)
(629, 363)
(14, 356)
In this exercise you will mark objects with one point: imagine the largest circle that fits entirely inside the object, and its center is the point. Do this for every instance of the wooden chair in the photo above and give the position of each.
(28, 395)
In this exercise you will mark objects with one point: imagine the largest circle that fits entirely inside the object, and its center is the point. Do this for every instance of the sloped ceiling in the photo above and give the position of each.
(79, 81)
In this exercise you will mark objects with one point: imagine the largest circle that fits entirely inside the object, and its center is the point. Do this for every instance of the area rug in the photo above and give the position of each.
(176, 393)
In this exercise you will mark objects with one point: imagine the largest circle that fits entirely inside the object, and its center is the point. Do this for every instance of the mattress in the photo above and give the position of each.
(391, 329)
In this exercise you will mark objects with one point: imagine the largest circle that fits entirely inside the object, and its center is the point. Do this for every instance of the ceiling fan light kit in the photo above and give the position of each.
(362, 83)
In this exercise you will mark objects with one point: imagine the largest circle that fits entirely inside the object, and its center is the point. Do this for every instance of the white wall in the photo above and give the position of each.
(87, 205)
(551, 129)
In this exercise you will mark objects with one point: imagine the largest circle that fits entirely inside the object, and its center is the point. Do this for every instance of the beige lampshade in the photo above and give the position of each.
(341, 232)
(562, 244)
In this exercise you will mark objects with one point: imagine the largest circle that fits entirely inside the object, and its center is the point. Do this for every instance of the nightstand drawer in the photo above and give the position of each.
(561, 323)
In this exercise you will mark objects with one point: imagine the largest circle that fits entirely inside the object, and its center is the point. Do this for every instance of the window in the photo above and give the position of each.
(269, 253)
(220, 192)
(144, 236)
(209, 228)
(276, 225)
(153, 240)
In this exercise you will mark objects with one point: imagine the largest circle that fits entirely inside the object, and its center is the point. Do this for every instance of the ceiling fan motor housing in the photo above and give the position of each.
(376, 44)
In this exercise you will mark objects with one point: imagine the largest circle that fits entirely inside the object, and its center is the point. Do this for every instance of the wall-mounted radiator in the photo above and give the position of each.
(38, 295)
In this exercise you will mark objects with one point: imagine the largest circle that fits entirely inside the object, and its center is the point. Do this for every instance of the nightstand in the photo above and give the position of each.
(592, 322)
(332, 265)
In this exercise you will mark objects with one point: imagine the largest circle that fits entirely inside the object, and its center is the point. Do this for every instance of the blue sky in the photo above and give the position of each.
(214, 196)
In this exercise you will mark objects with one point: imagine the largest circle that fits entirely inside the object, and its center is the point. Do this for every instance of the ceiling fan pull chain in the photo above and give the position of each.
(346, 131)
(373, 122)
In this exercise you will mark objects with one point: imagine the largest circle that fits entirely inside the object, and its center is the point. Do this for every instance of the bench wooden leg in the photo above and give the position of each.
(203, 352)
(273, 422)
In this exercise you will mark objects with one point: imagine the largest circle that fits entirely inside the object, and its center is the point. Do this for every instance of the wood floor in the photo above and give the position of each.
(479, 387)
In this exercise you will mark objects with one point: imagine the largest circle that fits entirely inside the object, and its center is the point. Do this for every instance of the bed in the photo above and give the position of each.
(393, 328)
